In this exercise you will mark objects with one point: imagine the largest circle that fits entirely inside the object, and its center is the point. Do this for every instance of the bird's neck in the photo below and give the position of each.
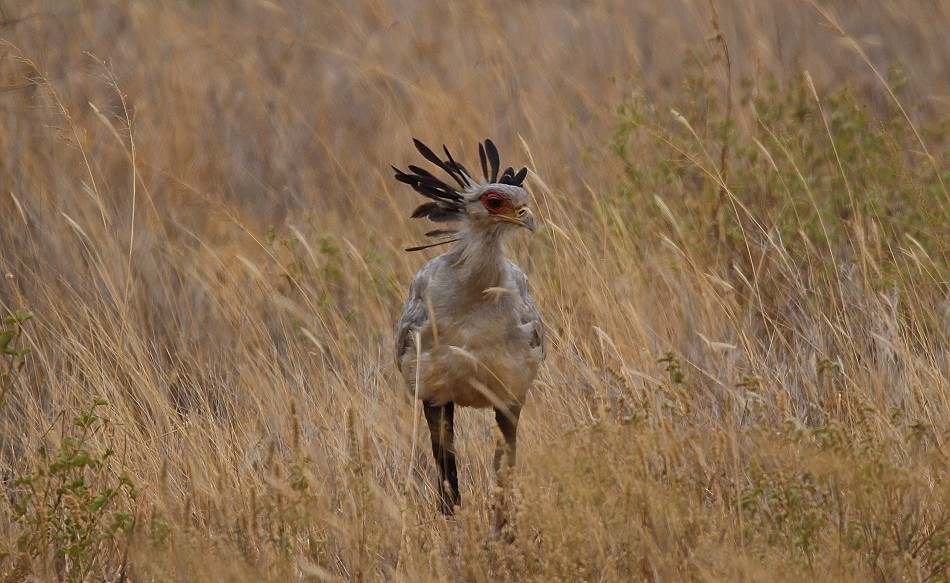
(480, 261)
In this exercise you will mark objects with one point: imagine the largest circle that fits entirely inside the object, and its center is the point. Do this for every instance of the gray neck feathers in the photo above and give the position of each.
(480, 261)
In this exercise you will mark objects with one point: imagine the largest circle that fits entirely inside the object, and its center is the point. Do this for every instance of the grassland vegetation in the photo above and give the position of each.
(742, 262)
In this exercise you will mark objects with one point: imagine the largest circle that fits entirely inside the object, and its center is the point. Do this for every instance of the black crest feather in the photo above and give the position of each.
(431, 245)
(446, 201)
(520, 176)
(483, 159)
(441, 233)
(492, 152)
(431, 157)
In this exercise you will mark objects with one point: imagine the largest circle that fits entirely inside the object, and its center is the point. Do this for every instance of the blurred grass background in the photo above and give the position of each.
(742, 266)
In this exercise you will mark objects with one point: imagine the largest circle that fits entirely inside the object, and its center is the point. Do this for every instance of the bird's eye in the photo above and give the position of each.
(494, 202)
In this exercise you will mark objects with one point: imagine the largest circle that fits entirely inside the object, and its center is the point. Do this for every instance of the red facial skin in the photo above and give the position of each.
(496, 204)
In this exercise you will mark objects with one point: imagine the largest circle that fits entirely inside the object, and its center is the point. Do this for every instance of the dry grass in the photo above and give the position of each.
(747, 300)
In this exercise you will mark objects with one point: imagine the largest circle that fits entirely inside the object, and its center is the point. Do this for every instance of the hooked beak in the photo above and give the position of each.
(525, 218)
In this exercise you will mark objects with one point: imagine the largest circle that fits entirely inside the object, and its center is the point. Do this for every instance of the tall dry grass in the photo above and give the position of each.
(746, 297)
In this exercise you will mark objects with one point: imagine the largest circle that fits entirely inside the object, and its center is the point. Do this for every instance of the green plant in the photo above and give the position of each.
(13, 351)
(70, 506)
(820, 171)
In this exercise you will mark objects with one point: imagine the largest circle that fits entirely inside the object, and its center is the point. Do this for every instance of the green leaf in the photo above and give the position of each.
(18, 318)
(5, 339)
(80, 459)
(24, 480)
(128, 483)
(120, 520)
(98, 502)
(101, 401)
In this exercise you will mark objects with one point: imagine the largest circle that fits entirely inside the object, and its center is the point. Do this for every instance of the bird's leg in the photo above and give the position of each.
(441, 421)
(505, 449)
(507, 419)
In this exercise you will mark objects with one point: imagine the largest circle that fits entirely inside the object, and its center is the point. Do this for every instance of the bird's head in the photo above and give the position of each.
(499, 206)
(494, 205)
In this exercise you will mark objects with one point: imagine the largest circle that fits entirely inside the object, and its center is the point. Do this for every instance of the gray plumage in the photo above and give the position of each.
(491, 340)
(480, 336)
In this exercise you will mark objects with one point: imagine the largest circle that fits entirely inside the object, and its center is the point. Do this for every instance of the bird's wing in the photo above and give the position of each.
(415, 315)
(530, 315)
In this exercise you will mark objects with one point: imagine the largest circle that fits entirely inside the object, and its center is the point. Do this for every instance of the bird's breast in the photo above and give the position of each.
(479, 359)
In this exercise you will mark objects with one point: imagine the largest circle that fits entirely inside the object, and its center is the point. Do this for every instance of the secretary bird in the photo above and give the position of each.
(470, 334)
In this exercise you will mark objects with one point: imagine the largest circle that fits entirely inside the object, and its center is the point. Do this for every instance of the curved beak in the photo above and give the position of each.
(526, 220)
